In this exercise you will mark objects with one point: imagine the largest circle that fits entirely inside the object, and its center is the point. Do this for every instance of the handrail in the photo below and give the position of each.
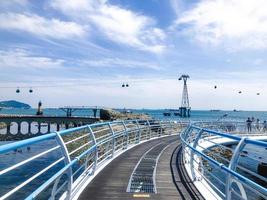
(57, 164)
(204, 152)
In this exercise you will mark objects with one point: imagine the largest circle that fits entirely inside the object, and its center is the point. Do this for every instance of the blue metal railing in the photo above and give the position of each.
(57, 165)
(226, 164)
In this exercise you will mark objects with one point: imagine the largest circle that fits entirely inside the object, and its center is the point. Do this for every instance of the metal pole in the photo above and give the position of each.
(67, 160)
(126, 134)
(113, 139)
(170, 127)
(149, 129)
(192, 154)
(232, 166)
(91, 133)
(139, 131)
(160, 125)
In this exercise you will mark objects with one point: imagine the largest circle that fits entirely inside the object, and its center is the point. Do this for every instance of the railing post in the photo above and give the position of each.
(184, 135)
(96, 148)
(67, 160)
(19, 128)
(126, 134)
(186, 131)
(139, 131)
(171, 127)
(232, 166)
(113, 139)
(160, 126)
(148, 123)
(192, 154)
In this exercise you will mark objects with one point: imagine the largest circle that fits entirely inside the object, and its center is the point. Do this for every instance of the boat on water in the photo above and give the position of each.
(176, 114)
(125, 111)
(215, 110)
(167, 114)
(236, 110)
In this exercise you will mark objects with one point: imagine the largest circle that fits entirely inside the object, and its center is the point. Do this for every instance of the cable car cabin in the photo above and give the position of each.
(125, 85)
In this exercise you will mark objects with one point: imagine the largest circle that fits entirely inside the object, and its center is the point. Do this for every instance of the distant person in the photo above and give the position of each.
(264, 126)
(258, 124)
(249, 122)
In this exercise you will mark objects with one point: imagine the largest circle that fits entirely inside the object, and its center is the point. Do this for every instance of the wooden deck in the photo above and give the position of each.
(112, 182)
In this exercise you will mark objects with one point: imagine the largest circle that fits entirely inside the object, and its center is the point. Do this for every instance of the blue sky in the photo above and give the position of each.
(79, 52)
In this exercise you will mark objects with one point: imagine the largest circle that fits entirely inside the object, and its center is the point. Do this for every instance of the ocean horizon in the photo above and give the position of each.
(196, 115)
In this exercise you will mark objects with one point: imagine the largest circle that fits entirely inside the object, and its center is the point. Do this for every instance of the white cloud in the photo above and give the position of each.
(21, 59)
(40, 26)
(71, 6)
(122, 63)
(117, 24)
(258, 61)
(235, 24)
(178, 6)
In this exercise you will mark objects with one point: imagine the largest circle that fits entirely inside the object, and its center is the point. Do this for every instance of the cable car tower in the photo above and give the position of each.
(185, 108)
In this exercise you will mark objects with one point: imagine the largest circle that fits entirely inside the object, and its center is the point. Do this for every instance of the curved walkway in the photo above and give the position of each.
(112, 182)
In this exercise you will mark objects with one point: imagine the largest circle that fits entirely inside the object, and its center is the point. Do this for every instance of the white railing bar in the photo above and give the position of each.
(252, 173)
(78, 138)
(30, 179)
(214, 153)
(217, 144)
(215, 177)
(80, 147)
(100, 130)
(27, 160)
(250, 187)
(107, 152)
(103, 136)
(233, 191)
(209, 182)
(61, 187)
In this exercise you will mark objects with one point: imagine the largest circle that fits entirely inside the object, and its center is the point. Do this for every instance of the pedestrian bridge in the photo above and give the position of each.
(138, 159)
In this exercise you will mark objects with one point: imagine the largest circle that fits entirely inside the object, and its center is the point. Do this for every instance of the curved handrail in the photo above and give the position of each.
(222, 169)
(71, 156)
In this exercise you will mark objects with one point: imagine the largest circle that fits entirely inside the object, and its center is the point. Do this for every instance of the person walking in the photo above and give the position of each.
(249, 122)
(257, 124)
(264, 126)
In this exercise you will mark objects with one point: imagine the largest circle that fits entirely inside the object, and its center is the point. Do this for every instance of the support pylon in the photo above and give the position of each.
(185, 107)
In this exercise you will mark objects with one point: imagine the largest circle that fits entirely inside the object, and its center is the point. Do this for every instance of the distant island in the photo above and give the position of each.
(14, 104)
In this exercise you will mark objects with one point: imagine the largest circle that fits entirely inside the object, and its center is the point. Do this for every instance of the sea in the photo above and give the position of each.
(196, 115)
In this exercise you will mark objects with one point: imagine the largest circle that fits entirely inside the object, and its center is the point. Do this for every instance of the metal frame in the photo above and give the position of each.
(90, 152)
(198, 140)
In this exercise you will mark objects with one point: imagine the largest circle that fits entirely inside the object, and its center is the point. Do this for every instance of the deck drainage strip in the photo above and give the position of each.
(142, 179)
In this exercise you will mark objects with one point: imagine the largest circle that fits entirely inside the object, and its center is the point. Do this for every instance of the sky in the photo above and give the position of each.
(80, 52)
